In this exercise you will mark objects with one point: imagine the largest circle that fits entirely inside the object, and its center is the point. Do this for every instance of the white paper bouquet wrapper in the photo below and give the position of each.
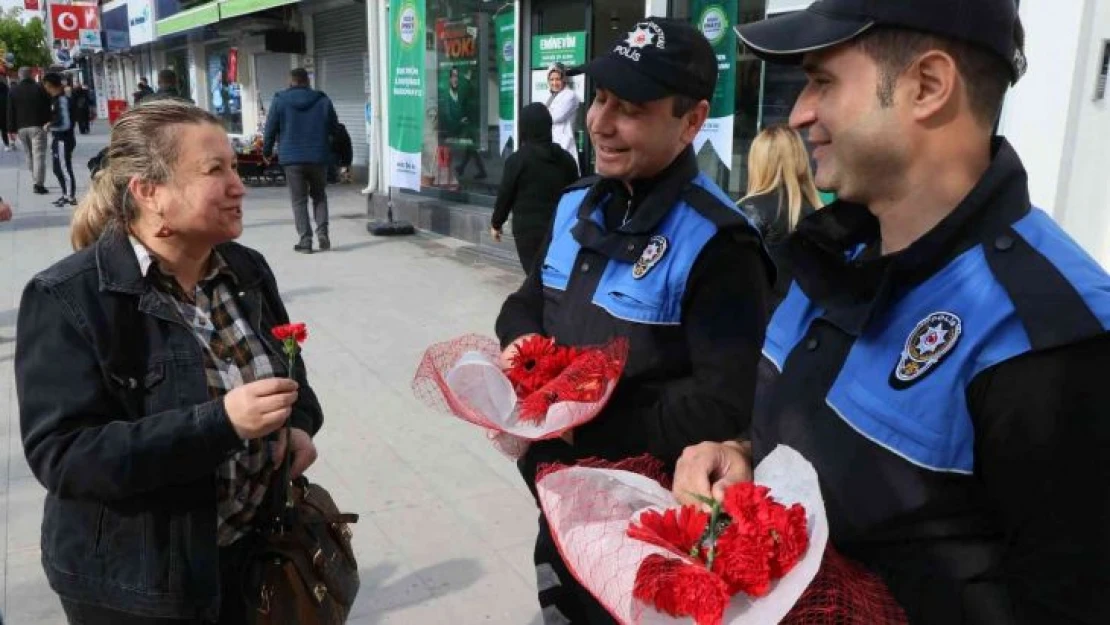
(463, 377)
(589, 511)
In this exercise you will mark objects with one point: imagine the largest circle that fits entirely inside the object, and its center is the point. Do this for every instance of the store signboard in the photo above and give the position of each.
(140, 20)
(504, 24)
(566, 48)
(714, 19)
(406, 92)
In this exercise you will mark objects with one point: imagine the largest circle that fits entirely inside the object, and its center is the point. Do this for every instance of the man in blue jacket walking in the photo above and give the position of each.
(303, 120)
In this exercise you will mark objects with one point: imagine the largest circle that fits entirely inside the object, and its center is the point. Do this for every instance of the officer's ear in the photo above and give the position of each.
(693, 120)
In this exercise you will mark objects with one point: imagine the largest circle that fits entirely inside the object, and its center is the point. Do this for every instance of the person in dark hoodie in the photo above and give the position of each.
(304, 121)
(533, 180)
(167, 88)
(4, 114)
(63, 139)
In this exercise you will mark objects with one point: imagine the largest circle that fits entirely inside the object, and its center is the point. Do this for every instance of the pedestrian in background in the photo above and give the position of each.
(4, 89)
(81, 105)
(142, 91)
(63, 139)
(780, 193)
(29, 111)
(533, 180)
(167, 88)
(302, 122)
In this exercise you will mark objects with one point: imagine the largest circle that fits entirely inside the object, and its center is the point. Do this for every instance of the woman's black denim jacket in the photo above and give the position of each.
(118, 424)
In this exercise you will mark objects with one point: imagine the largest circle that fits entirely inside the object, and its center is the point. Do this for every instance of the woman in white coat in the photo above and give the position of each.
(563, 106)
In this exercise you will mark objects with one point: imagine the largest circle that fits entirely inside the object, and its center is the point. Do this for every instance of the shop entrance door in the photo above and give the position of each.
(601, 22)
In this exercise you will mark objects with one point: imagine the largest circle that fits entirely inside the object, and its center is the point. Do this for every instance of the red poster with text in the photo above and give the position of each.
(115, 109)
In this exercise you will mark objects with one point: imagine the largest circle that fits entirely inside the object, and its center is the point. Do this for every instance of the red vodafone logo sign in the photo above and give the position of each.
(68, 20)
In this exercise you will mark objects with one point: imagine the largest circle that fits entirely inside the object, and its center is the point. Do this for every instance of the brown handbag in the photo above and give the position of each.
(302, 570)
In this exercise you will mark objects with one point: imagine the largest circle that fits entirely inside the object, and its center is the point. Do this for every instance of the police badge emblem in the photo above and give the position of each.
(653, 253)
(931, 340)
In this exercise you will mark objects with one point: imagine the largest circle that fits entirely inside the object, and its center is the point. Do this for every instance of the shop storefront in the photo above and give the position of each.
(454, 84)
(459, 70)
(177, 59)
(340, 68)
(224, 91)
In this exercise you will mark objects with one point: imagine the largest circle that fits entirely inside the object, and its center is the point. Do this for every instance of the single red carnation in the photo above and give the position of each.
(295, 331)
(743, 558)
(679, 588)
(791, 538)
(747, 500)
(679, 530)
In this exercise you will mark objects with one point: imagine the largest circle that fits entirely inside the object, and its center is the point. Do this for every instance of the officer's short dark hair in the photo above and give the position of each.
(167, 77)
(701, 71)
(299, 76)
(985, 74)
(53, 78)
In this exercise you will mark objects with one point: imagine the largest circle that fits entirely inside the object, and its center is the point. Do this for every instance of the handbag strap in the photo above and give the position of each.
(285, 501)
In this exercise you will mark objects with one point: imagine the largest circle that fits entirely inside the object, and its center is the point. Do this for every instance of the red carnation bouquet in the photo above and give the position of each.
(547, 389)
(758, 556)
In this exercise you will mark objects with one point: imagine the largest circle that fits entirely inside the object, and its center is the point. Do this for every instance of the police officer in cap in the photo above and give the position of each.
(941, 356)
(651, 250)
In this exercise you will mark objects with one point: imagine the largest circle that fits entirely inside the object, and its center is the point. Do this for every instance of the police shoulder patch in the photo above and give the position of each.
(933, 338)
(653, 253)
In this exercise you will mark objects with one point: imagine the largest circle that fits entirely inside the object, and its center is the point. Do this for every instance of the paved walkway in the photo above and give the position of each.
(446, 527)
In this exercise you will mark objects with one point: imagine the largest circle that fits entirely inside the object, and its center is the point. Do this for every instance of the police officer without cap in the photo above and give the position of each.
(654, 251)
(941, 356)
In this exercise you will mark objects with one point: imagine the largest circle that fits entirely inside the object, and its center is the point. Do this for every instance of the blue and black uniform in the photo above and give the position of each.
(953, 400)
(673, 266)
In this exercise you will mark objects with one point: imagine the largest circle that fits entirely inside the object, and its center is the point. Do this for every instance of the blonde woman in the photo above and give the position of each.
(780, 193)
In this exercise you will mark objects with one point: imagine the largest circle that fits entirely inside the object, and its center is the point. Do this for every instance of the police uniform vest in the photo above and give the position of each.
(874, 392)
(603, 280)
(637, 286)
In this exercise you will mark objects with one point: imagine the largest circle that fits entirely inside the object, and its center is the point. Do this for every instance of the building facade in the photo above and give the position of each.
(480, 61)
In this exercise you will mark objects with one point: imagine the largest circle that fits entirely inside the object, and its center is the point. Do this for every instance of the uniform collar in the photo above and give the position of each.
(832, 250)
(651, 200)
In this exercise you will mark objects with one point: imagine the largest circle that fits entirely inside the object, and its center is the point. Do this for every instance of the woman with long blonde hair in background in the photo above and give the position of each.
(780, 193)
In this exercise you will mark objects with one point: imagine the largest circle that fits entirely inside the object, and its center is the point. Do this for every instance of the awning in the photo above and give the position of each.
(235, 8)
(188, 19)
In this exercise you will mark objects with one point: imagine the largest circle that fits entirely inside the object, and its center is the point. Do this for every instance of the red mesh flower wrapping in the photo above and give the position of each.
(525, 403)
(592, 510)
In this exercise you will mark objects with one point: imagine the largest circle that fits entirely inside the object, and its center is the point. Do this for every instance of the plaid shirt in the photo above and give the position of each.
(233, 356)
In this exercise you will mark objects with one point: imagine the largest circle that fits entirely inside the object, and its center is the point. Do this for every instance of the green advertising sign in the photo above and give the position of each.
(566, 48)
(505, 25)
(714, 18)
(406, 91)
